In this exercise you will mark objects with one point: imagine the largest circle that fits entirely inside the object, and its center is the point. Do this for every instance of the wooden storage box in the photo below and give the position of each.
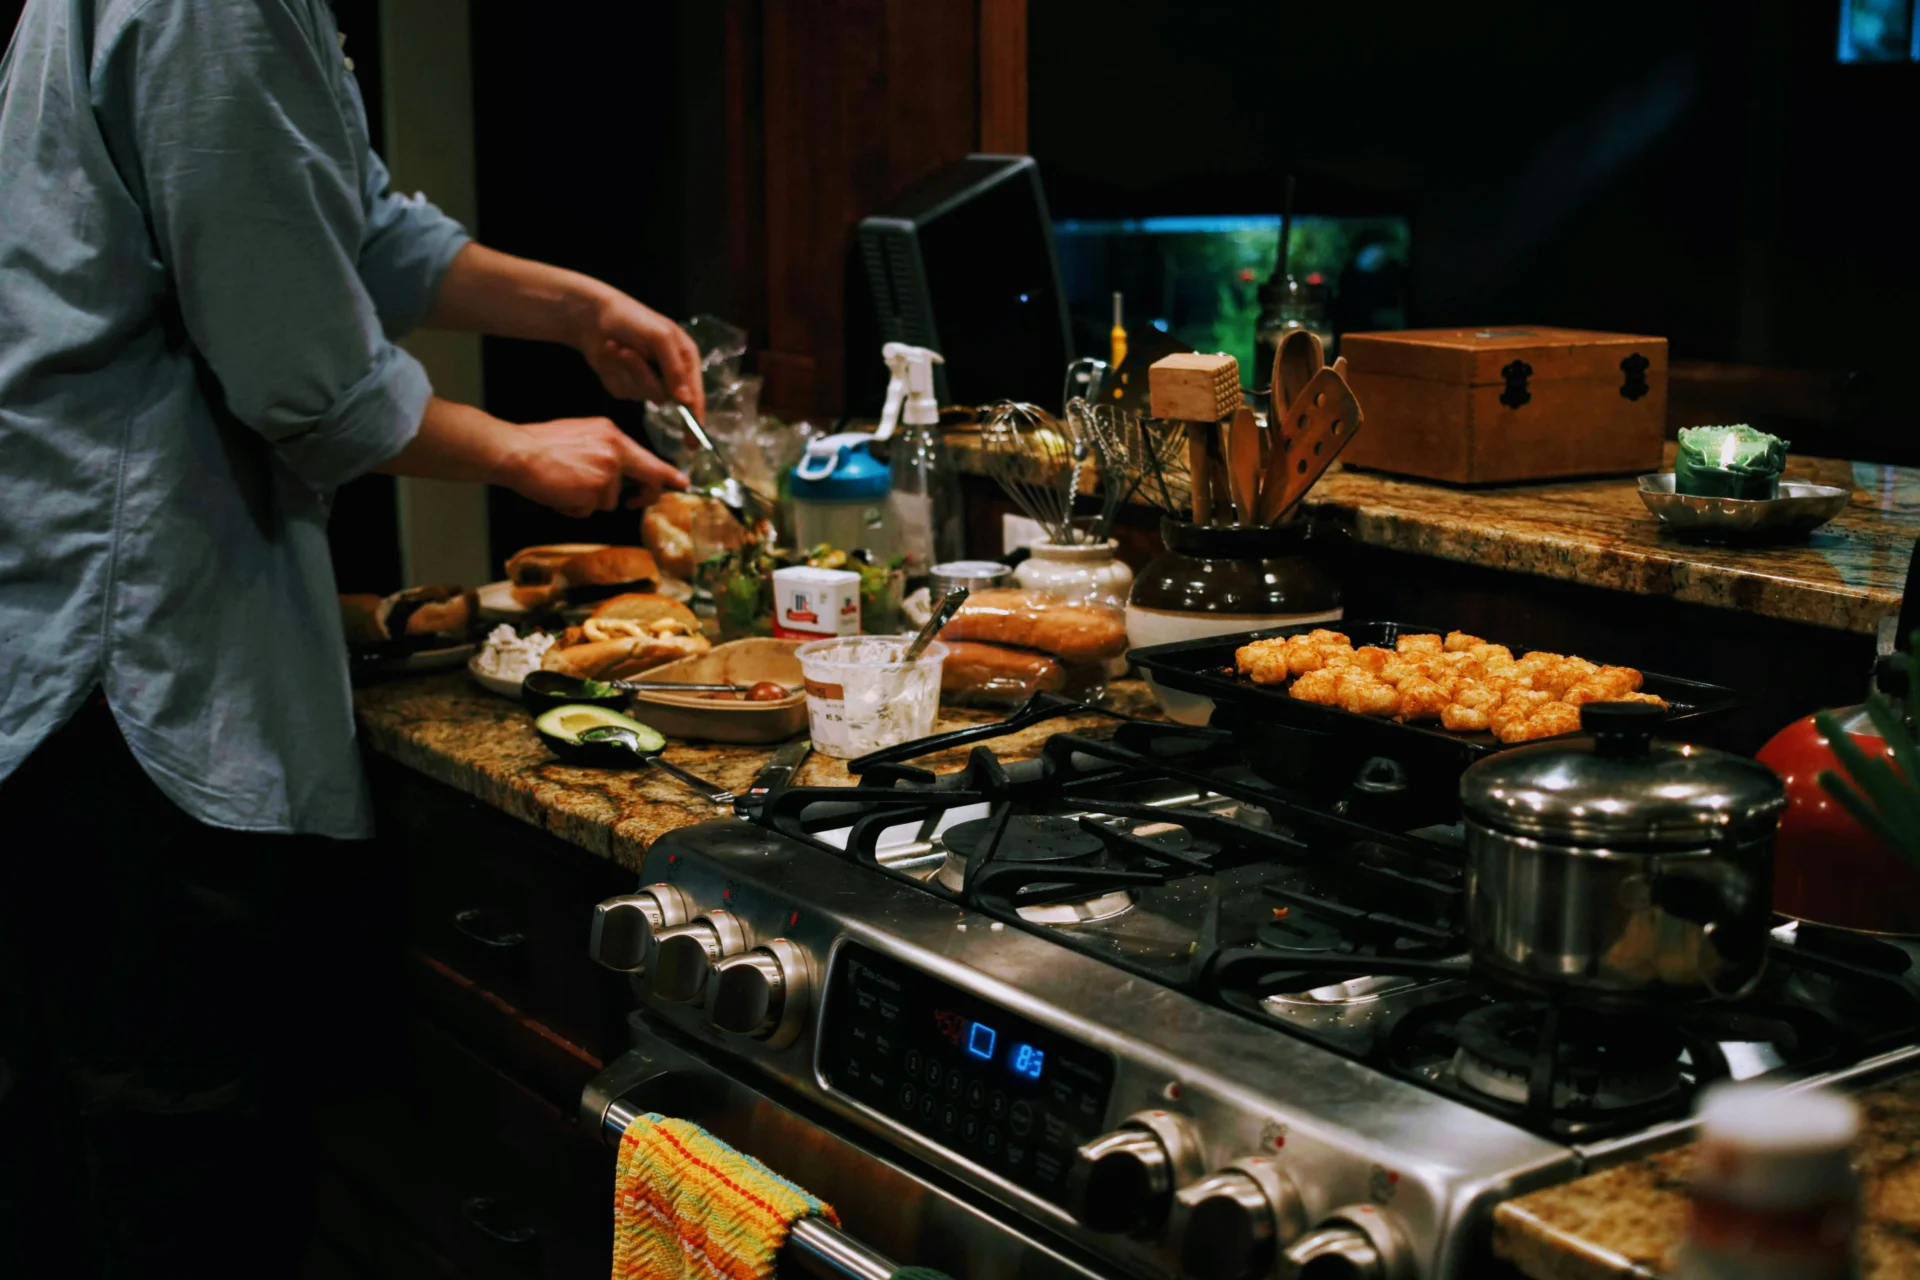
(1479, 406)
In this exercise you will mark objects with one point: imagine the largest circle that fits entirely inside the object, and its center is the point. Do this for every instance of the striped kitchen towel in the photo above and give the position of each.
(686, 1206)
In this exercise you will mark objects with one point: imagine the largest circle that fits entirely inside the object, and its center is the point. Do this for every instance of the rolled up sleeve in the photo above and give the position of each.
(409, 245)
(251, 158)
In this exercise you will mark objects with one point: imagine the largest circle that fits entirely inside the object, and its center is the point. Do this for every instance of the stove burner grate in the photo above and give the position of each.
(1600, 1062)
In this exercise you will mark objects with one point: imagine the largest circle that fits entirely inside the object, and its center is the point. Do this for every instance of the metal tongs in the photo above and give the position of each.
(713, 478)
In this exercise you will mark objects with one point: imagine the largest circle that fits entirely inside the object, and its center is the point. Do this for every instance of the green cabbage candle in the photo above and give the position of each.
(1728, 462)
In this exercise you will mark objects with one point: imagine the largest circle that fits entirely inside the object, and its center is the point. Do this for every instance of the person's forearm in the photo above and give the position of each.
(459, 442)
(486, 291)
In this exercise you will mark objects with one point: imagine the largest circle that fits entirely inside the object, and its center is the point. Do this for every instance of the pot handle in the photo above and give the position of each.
(1716, 895)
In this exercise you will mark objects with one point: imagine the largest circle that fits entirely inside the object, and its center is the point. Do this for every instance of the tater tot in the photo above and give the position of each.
(1460, 642)
(1263, 663)
(1463, 719)
(1421, 645)
(1322, 637)
(1491, 653)
(1516, 709)
(1421, 700)
(1371, 659)
(1364, 695)
(1318, 687)
(1550, 721)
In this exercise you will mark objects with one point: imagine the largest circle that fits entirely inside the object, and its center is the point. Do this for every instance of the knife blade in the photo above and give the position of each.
(774, 777)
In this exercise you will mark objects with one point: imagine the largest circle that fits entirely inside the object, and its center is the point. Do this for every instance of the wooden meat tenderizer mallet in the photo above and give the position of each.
(1201, 391)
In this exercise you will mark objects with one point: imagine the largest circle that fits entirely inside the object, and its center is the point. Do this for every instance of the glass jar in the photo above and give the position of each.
(1213, 581)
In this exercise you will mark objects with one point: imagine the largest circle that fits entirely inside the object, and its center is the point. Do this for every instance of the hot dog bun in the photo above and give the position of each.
(624, 658)
(1026, 619)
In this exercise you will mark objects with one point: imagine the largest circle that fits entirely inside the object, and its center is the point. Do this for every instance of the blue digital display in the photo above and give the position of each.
(1027, 1061)
(980, 1038)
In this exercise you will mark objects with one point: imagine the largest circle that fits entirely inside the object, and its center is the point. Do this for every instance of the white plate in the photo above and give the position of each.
(422, 660)
(497, 603)
(492, 684)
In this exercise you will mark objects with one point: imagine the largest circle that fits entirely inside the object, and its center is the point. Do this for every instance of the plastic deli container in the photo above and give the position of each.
(861, 698)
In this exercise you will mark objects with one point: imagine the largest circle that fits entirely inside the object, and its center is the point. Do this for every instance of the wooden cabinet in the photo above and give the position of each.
(832, 111)
(467, 1162)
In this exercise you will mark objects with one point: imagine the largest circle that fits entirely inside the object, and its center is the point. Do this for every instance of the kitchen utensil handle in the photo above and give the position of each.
(1037, 708)
(716, 794)
(814, 1245)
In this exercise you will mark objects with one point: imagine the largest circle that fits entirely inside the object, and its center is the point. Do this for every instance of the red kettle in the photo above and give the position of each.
(1828, 869)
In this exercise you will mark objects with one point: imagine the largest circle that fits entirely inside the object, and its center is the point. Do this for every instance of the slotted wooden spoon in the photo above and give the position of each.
(1318, 426)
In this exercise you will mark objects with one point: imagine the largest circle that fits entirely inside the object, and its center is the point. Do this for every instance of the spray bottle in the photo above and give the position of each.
(926, 492)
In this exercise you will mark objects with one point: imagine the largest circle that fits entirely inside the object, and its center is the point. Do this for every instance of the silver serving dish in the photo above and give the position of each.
(1797, 511)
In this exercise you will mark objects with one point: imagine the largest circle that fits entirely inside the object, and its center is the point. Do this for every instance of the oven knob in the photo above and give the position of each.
(624, 927)
(761, 993)
(684, 957)
(1231, 1224)
(1358, 1243)
(1124, 1180)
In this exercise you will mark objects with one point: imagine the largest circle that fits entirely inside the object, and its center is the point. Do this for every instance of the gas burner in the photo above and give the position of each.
(1297, 931)
(1600, 1062)
(1034, 838)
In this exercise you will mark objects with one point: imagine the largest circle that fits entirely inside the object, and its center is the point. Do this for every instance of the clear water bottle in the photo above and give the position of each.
(926, 499)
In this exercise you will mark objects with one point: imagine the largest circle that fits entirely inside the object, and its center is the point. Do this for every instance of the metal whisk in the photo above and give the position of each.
(1038, 463)
(1136, 458)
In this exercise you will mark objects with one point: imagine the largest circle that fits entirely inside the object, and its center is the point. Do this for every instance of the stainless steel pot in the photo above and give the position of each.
(1619, 869)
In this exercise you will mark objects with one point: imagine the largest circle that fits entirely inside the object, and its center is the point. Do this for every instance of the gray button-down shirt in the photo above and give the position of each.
(202, 272)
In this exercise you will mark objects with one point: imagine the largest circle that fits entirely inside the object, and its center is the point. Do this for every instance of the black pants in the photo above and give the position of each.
(175, 1001)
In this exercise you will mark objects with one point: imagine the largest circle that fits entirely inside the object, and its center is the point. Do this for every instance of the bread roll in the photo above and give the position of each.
(607, 567)
(647, 606)
(437, 611)
(624, 658)
(536, 566)
(1041, 620)
(993, 673)
(360, 615)
(671, 545)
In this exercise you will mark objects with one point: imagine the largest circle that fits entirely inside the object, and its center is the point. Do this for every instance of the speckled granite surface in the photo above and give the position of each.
(1626, 1221)
(452, 730)
(1847, 575)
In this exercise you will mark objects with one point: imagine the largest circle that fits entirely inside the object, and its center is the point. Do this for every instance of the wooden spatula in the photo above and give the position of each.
(1243, 463)
(1319, 425)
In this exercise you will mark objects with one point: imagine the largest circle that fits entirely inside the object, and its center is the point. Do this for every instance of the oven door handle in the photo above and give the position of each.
(644, 1082)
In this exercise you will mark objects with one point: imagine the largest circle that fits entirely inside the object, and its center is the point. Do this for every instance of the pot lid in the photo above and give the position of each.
(1619, 786)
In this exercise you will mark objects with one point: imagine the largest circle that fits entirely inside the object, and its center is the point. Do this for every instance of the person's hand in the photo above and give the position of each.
(641, 355)
(580, 465)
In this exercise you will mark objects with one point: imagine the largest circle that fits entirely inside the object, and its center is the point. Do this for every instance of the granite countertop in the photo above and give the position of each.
(1847, 575)
(1626, 1221)
(453, 731)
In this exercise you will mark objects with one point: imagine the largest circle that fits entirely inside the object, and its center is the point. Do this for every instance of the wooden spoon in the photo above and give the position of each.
(1298, 357)
(1243, 463)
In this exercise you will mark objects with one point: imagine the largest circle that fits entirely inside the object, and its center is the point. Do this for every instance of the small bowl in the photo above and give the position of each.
(542, 691)
(1799, 509)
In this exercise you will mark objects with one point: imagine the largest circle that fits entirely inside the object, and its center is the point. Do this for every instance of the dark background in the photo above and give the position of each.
(1705, 171)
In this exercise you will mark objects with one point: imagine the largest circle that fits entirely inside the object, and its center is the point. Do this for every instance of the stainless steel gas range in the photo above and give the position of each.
(1133, 1010)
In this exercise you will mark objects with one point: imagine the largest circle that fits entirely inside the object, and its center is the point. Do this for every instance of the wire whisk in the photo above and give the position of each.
(1136, 458)
(1038, 462)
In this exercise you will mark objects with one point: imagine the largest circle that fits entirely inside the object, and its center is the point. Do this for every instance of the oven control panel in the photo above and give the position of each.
(992, 1087)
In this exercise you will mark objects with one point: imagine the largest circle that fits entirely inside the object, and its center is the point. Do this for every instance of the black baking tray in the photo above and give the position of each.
(1206, 667)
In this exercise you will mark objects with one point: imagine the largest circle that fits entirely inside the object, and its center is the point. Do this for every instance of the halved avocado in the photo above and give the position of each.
(561, 728)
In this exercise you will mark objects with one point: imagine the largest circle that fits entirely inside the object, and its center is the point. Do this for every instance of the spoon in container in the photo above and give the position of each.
(942, 615)
(618, 736)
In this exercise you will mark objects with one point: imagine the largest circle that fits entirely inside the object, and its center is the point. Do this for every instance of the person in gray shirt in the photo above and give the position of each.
(203, 275)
